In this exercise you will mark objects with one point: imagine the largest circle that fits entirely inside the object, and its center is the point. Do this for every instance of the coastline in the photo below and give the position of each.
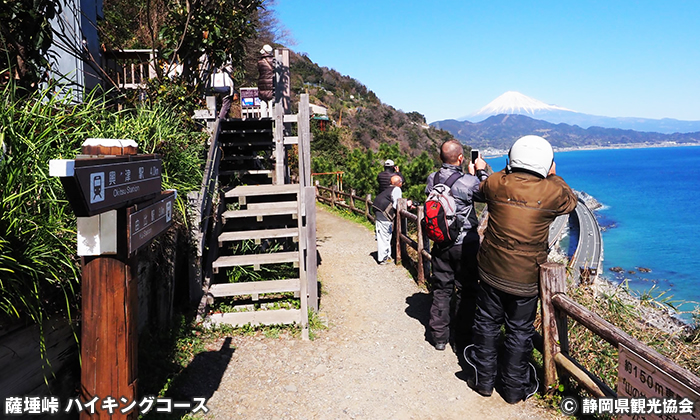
(496, 153)
(626, 146)
(654, 315)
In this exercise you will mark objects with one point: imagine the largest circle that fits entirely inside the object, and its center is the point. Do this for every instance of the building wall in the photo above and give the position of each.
(77, 49)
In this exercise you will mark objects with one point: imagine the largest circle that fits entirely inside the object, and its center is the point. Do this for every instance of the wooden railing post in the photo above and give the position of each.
(368, 200)
(352, 200)
(419, 227)
(311, 258)
(552, 281)
(334, 189)
(401, 205)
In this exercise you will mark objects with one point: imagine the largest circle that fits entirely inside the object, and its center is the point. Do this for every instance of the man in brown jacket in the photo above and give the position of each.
(523, 200)
(266, 74)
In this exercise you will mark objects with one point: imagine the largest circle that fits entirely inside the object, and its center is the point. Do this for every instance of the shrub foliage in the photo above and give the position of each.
(37, 227)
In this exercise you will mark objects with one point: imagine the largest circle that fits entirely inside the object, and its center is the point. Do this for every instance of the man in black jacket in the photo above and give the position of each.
(384, 214)
(384, 177)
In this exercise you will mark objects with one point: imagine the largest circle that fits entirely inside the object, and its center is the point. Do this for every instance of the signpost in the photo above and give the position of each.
(637, 378)
(95, 185)
(117, 197)
(145, 222)
(249, 97)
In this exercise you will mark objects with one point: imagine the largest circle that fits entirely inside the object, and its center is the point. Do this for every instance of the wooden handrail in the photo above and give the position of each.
(556, 306)
(616, 336)
(421, 245)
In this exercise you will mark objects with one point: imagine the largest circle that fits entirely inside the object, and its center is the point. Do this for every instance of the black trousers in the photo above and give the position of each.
(509, 361)
(455, 279)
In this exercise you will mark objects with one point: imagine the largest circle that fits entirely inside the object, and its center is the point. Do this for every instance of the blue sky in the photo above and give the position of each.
(448, 59)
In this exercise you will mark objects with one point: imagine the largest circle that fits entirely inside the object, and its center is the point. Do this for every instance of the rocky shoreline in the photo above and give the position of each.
(655, 315)
(588, 200)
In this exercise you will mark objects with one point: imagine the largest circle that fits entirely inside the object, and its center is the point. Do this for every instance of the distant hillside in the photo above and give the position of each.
(352, 105)
(501, 131)
(518, 104)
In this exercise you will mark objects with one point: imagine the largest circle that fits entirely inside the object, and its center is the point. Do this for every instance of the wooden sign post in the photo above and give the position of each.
(101, 184)
(147, 220)
(639, 378)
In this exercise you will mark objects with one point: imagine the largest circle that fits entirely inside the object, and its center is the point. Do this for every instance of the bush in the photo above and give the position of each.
(40, 272)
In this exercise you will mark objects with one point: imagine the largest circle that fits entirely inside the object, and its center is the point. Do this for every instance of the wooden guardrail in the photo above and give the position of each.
(201, 204)
(333, 196)
(421, 245)
(662, 375)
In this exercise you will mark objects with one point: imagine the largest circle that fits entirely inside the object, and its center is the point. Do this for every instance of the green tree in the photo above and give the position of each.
(184, 31)
(327, 147)
(416, 173)
(217, 29)
(361, 170)
(416, 117)
(25, 38)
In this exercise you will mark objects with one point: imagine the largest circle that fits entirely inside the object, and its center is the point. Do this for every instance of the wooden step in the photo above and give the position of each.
(245, 142)
(254, 288)
(243, 172)
(288, 205)
(246, 131)
(243, 191)
(256, 260)
(261, 210)
(258, 235)
(273, 317)
(244, 157)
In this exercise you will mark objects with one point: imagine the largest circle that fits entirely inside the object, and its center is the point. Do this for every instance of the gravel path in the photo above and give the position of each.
(373, 362)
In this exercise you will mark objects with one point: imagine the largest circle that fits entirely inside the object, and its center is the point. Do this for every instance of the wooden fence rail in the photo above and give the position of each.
(421, 245)
(556, 307)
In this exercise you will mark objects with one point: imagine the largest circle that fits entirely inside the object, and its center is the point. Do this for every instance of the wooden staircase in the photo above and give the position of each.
(261, 251)
(265, 215)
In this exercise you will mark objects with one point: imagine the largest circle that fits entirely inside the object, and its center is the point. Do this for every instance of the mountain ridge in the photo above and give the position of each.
(500, 131)
(513, 102)
(517, 103)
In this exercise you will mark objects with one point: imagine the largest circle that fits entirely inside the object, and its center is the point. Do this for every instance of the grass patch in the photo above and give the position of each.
(347, 215)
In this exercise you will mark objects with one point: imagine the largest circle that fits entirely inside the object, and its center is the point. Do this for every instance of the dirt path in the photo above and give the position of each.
(373, 362)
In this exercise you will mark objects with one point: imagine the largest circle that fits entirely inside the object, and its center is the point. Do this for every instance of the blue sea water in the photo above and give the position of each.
(651, 212)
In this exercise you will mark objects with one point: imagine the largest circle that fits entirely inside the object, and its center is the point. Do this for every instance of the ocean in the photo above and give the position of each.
(648, 216)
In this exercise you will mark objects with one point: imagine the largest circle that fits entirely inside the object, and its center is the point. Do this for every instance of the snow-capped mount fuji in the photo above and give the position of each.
(515, 103)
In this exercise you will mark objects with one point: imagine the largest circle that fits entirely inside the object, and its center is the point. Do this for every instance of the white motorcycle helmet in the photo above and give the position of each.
(531, 153)
(266, 49)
